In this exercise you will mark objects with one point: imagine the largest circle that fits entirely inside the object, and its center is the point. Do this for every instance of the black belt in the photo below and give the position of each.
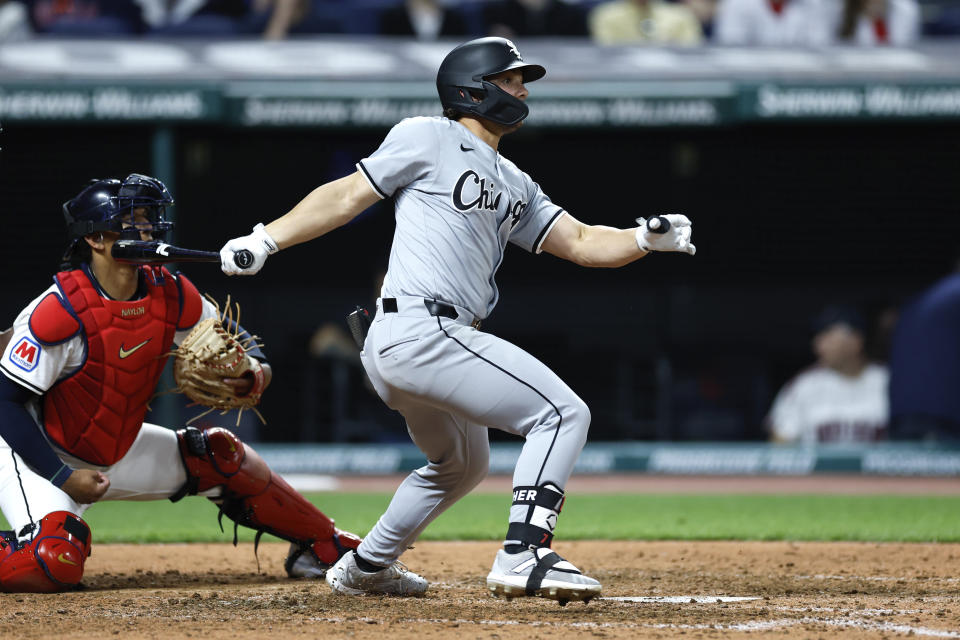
(434, 308)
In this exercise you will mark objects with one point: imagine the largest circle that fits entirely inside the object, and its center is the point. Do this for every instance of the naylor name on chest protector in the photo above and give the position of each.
(473, 192)
(96, 413)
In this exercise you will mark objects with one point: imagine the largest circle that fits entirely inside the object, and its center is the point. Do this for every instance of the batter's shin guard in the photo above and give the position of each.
(52, 561)
(254, 496)
(542, 507)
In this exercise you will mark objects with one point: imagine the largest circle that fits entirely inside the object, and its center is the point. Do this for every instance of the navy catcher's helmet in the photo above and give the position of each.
(463, 75)
(109, 205)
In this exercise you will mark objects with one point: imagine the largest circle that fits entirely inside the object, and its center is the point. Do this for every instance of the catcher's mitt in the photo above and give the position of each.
(210, 353)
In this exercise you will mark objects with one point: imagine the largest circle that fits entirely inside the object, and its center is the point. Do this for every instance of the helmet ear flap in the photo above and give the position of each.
(500, 106)
(462, 86)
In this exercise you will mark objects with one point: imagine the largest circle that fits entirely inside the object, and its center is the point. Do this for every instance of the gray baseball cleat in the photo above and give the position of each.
(346, 577)
(542, 573)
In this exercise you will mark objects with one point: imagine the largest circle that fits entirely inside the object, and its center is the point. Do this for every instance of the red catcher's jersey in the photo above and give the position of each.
(96, 413)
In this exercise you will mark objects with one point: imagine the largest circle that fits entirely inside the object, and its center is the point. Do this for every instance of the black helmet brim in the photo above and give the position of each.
(531, 72)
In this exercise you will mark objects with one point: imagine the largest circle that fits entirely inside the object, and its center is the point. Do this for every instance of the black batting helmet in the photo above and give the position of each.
(463, 76)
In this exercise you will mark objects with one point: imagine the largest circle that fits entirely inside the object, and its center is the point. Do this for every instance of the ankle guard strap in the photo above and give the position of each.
(543, 505)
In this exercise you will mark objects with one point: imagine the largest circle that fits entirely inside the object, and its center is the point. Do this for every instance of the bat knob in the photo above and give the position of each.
(243, 258)
(658, 224)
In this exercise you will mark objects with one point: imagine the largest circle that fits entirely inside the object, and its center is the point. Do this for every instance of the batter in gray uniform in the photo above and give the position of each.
(458, 204)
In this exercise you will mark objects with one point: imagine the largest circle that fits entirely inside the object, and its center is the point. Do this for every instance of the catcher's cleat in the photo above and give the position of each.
(302, 561)
(542, 573)
(347, 578)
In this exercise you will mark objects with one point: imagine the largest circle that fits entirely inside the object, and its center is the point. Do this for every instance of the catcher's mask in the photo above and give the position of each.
(136, 204)
(463, 76)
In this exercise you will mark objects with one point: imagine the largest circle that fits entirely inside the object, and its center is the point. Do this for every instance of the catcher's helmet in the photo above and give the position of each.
(463, 75)
(109, 205)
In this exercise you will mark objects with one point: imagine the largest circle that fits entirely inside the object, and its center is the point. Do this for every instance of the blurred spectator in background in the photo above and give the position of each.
(704, 10)
(105, 18)
(280, 16)
(272, 18)
(843, 396)
(85, 18)
(925, 366)
(14, 24)
(644, 22)
(878, 22)
(941, 18)
(516, 18)
(424, 19)
(782, 23)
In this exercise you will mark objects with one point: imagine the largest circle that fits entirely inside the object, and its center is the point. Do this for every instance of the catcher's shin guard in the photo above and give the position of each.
(253, 495)
(51, 562)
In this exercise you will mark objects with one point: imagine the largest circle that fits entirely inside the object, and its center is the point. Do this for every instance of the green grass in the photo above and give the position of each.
(585, 516)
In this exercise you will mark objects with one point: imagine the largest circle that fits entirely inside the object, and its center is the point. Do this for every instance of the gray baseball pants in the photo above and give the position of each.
(452, 382)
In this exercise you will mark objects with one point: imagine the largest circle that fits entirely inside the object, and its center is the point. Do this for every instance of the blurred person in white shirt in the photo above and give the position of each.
(842, 397)
(773, 23)
(14, 23)
(878, 22)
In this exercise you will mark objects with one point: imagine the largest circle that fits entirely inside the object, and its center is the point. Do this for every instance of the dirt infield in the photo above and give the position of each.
(798, 590)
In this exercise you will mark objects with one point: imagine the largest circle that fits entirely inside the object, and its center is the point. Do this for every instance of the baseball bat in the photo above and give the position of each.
(658, 224)
(153, 252)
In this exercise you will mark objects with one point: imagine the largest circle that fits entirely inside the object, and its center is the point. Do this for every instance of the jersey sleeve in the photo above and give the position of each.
(406, 155)
(536, 220)
(34, 364)
(191, 303)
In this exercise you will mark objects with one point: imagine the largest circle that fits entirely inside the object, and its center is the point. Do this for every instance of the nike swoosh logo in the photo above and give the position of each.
(65, 560)
(463, 148)
(126, 352)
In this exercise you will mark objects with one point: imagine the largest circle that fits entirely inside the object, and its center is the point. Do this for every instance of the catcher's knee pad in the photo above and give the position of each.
(52, 561)
(253, 495)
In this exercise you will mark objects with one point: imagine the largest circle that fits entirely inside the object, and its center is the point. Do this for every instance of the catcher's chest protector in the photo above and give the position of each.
(96, 413)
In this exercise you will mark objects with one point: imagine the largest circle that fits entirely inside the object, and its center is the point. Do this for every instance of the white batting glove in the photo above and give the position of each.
(257, 245)
(677, 238)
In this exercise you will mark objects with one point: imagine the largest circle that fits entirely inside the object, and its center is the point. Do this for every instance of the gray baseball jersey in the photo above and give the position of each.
(458, 203)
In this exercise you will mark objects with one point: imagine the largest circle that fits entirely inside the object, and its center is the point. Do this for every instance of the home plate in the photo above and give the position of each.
(680, 599)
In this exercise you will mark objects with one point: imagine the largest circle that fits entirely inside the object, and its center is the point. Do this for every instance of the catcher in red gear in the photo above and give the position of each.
(79, 366)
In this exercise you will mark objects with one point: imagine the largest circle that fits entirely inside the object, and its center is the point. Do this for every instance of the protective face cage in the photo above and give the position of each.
(142, 202)
(130, 207)
(135, 205)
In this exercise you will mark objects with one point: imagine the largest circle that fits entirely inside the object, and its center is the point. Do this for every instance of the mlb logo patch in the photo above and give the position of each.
(26, 354)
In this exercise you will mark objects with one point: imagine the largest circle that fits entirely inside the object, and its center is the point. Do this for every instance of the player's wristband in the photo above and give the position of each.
(638, 235)
(260, 233)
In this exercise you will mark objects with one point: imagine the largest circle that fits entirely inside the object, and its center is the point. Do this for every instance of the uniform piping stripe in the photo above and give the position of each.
(546, 228)
(21, 381)
(26, 503)
(366, 174)
(556, 431)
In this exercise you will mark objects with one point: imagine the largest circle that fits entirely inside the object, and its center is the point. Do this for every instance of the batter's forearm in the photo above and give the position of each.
(601, 246)
(324, 209)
